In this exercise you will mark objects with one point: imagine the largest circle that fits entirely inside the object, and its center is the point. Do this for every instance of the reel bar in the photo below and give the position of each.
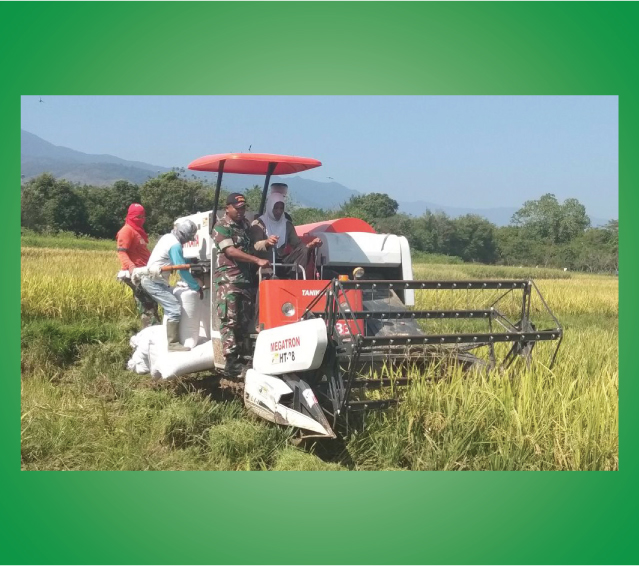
(431, 314)
(372, 404)
(379, 383)
(418, 339)
(504, 284)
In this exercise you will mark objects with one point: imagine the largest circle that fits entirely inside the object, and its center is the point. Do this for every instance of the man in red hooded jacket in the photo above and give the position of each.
(133, 252)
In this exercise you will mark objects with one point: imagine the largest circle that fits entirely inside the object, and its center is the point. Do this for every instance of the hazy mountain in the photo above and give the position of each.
(40, 156)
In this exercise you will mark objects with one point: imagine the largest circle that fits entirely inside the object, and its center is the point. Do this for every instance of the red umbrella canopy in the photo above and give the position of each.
(254, 163)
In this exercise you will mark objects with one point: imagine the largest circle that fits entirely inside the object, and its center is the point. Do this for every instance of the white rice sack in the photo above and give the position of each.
(190, 315)
(174, 364)
(205, 315)
(139, 363)
(157, 348)
(141, 369)
(142, 338)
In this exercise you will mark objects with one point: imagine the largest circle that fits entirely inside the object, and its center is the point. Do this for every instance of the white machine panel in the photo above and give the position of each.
(359, 248)
(262, 394)
(299, 346)
(265, 389)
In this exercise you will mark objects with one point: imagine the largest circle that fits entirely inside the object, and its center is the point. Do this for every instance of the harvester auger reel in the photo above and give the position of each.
(385, 334)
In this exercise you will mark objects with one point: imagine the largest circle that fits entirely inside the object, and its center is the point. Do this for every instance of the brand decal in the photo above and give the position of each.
(310, 292)
(193, 243)
(283, 357)
(285, 344)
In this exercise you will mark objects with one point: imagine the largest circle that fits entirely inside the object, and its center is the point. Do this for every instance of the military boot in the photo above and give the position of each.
(173, 337)
(233, 367)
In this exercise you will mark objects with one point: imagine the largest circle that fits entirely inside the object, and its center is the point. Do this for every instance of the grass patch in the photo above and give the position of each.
(293, 459)
(65, 240)
(48, 347)
(246, 444)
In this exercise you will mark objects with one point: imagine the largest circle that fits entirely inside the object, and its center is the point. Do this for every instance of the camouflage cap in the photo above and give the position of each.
(238, 200)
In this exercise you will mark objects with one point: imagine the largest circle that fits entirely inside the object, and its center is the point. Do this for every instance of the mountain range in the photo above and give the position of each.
(39, 156)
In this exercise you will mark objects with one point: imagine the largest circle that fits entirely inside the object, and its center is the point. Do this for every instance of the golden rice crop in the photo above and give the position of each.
(478, 271)
(564, 418)
(63, 283)
(73, 284)
(582, 295)
(579, 294)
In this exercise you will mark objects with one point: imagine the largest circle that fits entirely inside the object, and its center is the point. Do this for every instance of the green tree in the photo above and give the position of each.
(50, 204)
(169, 196)
(612, 226)
(33, 194)
(107, 207)
(548, 220)
(596, 250)
(401, 225)
(303, 215)
(473, 239)
(574, 220)
(370, 206)
(434, 232)
(514, 247)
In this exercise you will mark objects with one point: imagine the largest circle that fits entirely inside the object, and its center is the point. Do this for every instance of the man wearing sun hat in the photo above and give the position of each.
(233, 281)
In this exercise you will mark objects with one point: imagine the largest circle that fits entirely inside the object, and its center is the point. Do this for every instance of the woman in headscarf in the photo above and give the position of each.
(274, 230)
(133, 252)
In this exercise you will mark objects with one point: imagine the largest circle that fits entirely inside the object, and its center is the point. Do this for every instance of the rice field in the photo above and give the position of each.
(82, 410)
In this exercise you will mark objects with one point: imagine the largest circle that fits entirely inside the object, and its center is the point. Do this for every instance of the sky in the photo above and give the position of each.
(464, 151)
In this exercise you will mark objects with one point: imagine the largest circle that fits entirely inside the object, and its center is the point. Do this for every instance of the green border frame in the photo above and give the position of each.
(317, 48)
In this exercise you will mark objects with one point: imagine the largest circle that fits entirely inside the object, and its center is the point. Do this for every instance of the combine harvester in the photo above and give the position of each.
(344, 335)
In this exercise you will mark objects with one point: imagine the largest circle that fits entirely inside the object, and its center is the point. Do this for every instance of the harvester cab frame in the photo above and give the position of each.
(344, 337)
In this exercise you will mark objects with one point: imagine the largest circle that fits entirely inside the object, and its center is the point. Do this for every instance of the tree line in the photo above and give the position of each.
(542, 232)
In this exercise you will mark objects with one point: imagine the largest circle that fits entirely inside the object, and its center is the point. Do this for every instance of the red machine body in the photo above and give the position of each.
(277, 294)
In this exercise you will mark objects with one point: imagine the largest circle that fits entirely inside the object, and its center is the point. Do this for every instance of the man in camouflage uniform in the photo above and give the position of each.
(233, 290)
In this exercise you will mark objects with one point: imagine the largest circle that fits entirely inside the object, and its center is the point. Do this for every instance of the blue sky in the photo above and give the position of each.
(471, 151)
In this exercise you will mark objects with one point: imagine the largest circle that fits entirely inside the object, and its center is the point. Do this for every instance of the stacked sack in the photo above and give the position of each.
(140, 362)
(166, 365)
(151, 354)
(190, 316)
